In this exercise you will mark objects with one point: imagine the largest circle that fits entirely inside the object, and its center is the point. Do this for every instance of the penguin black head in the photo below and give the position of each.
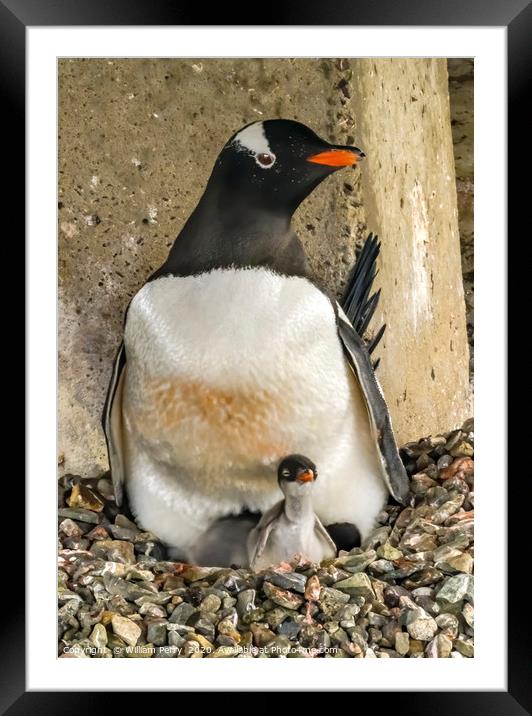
(296, 469)
(275, 164)
(243, 218)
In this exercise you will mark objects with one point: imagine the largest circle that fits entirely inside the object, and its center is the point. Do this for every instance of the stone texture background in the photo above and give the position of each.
(408, 187)
(137, 140)
(461, 86)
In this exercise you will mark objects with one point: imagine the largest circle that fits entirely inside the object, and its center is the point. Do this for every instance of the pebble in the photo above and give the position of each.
(289, 628)
(79, 514)
(69, 528)
(380, 567)
(121, 532)
(204, 627)
(420, 625)
(205, 644)
(192, 649)
(262, 635)
(282, 597)
(421, 482)
(439, 648)
(388, 552)
(245, 601)
(444, 461)
(456, 588)
(377, 537)
(454, 437)
(276, 616)
(175, 639)
(402, 643)
(227, 628)
(287, 580)
(99, 636)
(114, 551)
(195, 574)
(157, 633)
(460, 467)
(312, 588)
(357, 585)
(448, 509)
(407, 592)
(126, 629)
(464, 646)
(461, 563)
(83, 496)
(468, 612)
(418, 541)
(449, 624)
(358, 562)
(417, 648)
(463, 449)
(98, 533)
(182, 613)
(211, 603)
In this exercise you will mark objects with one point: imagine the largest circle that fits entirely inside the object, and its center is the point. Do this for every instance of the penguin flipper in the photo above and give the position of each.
(258, 537)
(325, 536)
(112, 424)
(357, 355)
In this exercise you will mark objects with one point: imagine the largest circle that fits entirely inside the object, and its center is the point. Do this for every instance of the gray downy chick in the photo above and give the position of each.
(291, 526)
(224, 543)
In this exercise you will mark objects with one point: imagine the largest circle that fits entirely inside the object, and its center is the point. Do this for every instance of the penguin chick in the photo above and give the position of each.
(224, 543)
(291, 526)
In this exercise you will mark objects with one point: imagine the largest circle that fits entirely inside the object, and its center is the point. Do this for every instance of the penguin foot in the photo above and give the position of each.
(344, 535)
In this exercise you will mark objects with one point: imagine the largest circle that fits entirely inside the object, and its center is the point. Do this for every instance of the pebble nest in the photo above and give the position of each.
(406, 592)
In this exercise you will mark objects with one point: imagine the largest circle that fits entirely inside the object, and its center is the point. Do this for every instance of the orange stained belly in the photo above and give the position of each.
(239, 426)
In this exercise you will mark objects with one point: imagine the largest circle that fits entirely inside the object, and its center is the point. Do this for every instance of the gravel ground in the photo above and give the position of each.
(407, 592)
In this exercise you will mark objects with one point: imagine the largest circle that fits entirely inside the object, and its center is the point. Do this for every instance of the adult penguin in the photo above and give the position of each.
(234, 356)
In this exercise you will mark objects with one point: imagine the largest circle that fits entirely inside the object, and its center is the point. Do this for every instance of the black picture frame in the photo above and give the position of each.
(516, 16)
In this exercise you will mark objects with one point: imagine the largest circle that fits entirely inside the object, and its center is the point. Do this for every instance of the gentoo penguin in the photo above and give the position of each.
(234, 356)
(291, 527)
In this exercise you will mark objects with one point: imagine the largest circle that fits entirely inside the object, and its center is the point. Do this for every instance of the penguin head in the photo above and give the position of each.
(275, 164)
(296, 474)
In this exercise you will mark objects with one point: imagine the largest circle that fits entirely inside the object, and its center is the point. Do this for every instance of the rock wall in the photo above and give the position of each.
(137, 142)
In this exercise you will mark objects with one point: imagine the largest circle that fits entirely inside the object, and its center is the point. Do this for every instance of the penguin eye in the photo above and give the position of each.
(285, 473)
(265, 160)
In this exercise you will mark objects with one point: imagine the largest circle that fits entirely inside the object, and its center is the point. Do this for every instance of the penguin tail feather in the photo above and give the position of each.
(357, 303)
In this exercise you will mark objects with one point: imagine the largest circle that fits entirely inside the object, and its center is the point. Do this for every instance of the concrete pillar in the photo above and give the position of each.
(461, 90)
(409, 195)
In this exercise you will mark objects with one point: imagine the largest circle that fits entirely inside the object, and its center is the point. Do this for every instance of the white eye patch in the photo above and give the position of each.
(253, 140)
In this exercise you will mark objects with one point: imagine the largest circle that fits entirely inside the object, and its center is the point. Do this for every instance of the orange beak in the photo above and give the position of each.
(306, 476)
(337, 157)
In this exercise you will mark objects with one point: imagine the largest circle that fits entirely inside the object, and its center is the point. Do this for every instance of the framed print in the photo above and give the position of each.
(262, 430)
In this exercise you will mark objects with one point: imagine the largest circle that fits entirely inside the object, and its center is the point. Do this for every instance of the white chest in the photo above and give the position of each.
(288, 539)
(232, 370)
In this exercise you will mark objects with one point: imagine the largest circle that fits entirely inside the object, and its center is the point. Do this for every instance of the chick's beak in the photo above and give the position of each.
(338, 157)
(306, 476)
